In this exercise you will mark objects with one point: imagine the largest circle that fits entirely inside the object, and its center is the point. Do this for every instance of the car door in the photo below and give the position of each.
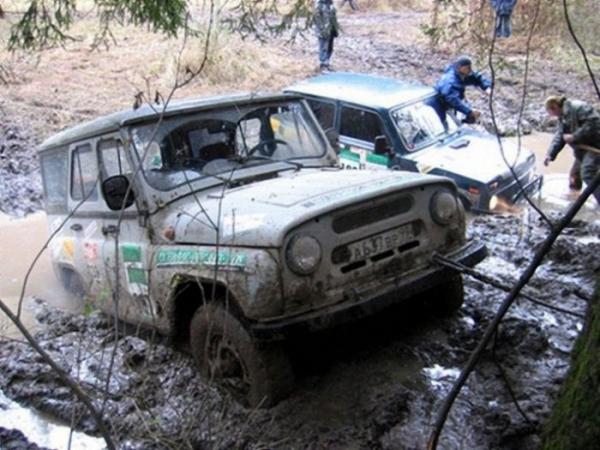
(358, 129)
(81, 239)
(126, 247)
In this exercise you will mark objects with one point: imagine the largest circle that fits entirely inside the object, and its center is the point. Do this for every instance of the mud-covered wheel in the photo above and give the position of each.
(447, 297)
(257, 375)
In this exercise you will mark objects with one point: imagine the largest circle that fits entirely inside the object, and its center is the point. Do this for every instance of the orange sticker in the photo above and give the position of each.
(68, 248)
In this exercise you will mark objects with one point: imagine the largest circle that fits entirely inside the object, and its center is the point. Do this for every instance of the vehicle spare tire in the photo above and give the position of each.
(257, 374)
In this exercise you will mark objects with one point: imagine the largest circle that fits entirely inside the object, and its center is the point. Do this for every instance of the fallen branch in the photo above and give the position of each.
(506, 304)
(458, 267)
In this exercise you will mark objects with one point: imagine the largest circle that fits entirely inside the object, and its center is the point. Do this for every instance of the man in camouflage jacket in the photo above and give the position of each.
(327, 29)
(578, 123)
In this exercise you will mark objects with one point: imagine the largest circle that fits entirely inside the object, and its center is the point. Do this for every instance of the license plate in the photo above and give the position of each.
(380, 243)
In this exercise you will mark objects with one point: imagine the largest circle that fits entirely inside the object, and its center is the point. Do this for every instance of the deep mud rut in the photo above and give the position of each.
(376, 384)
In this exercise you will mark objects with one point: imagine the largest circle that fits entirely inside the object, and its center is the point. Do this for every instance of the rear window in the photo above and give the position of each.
(55, 175)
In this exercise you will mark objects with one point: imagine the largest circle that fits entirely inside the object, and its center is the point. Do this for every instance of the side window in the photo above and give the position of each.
(359, 124)
(112, 156)
(55, 171)
(324, 112)
(84, 173)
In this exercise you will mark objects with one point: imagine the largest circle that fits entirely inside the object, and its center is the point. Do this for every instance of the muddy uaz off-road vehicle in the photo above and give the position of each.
(225, 221)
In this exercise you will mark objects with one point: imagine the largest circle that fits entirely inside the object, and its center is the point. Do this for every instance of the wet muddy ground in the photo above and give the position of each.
(372, 385)
(376, 384)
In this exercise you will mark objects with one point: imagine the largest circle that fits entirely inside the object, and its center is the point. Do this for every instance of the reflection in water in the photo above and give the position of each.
(41, 430)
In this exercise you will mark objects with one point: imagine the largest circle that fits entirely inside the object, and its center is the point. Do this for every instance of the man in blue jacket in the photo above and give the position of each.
(504, 9)
(451, 90)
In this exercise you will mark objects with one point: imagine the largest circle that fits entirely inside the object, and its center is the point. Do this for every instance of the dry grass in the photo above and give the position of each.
(63, 86)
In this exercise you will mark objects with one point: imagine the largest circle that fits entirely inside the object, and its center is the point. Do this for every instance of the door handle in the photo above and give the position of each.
(109, 229)
(76, 227)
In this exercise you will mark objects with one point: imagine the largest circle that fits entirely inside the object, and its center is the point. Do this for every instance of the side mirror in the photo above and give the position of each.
(114, 190)
(382, 147)
(334, 138)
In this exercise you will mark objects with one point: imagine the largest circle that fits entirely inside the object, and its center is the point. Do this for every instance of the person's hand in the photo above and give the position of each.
(568, 138)
(547, 161)
(488, 91)
(472, 117)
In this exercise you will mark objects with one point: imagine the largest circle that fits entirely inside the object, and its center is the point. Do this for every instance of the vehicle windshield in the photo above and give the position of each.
(420, 125)
(215, 143)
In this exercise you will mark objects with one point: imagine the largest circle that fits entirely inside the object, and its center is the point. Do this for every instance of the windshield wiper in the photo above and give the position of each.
(297, 165)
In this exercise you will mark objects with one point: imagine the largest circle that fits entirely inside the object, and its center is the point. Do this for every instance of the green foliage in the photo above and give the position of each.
(575, 422)
(43, 24)
(46, 23)
(88, 309)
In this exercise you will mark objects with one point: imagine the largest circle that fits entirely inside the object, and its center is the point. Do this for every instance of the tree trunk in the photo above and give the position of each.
(575, 420)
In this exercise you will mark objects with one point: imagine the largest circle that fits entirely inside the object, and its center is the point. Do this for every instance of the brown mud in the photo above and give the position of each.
(375, 384)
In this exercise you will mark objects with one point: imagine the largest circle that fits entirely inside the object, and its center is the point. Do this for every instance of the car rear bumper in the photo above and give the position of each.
(365, 303)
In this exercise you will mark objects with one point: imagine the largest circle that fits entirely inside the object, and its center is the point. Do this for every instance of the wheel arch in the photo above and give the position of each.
(188, 294)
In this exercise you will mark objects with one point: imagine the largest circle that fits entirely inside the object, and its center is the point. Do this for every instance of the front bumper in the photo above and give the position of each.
(510, 193)
(361, 304)
(530, 188)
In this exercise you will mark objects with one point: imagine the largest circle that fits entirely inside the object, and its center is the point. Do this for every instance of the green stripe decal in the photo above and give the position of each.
(183, 256)
(373, 158)
(136, 275)
(347, 154)
(131, 253)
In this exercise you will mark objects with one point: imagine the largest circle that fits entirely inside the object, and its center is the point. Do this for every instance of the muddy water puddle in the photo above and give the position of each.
(43, 430)
(20, 241)
(556, 195)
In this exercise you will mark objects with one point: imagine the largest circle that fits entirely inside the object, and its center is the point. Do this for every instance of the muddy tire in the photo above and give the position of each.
(256, 375)
(446, 298)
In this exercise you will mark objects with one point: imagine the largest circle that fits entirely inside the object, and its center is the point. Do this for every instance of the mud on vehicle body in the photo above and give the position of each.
(225, 222)
(388, 124)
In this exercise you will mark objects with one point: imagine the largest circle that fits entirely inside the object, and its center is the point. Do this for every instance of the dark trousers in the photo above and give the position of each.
(325, 50)
(353, 4)
(590, 166)
(503, 25)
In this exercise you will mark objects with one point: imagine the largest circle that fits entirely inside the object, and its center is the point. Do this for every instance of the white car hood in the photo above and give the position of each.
(480, 160)
(261, 213)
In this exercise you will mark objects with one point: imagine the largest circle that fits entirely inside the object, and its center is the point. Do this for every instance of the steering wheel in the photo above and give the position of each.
(264, 144)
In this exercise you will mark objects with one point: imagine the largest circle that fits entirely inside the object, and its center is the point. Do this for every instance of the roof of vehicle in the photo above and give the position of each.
(114, 121)
(362, 89)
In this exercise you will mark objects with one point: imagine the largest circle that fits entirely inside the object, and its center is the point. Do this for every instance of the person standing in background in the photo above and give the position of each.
(504, 9)
(352, 4)
(327, 29)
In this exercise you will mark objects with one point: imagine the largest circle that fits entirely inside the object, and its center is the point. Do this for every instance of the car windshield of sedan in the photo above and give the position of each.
(420, 125)
(186, 148)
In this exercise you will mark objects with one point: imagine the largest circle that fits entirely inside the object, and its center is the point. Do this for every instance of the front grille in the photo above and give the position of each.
(367, 215)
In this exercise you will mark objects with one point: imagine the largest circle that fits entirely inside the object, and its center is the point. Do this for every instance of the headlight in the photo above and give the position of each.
(493, 202)
(443, 207)
(303, 254)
